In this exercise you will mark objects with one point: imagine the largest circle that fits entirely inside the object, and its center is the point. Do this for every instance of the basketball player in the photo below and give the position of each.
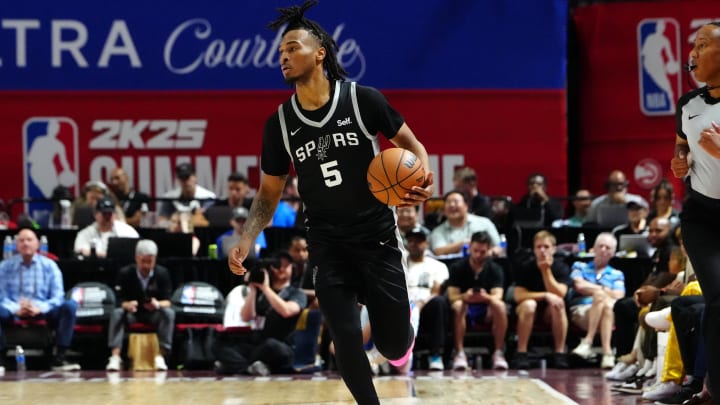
(699, 135)
(328, 131)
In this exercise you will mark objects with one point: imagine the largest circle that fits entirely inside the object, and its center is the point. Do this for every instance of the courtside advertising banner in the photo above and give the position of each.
(87, 86)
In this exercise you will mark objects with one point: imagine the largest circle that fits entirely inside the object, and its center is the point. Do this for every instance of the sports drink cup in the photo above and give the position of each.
(212, 251)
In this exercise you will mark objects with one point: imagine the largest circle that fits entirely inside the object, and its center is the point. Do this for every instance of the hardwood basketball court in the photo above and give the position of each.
(584, 386)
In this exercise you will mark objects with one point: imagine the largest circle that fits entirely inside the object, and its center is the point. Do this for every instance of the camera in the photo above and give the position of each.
(256, 276)
(255, 270)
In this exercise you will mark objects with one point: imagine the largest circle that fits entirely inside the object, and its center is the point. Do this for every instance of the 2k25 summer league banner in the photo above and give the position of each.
(632, 75)
(88, 86)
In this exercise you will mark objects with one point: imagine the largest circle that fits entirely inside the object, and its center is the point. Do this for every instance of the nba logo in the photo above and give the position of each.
(50, 160)
(659, 65)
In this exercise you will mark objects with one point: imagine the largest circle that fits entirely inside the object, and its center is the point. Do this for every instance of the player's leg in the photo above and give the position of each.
(335, 287)
(385, 294)
(339, 306)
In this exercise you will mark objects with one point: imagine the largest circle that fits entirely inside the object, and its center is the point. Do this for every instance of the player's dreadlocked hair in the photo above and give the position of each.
(294, 17)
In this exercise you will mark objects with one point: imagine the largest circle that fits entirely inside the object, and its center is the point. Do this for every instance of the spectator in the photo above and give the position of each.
(465, 181)
(284, 216)
(92, 240)
(662, 197)
(274, 304)
(189, 196)
(298, 250)
(597, 286)
(637, 223)
(581, 205)
(31, 287)
(407, 220)
(450, 236)
(627, 309)
(227, 240)
(540, 289)
(143, 290)
(291, 194)
(92, 192)
(616, 186)
(425, 278)
(129, 199)
(537, 198)
(238, 189)
(475, 290)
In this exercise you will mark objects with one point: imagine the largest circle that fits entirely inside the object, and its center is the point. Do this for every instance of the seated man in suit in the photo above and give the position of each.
(143, 290)
(31, 286)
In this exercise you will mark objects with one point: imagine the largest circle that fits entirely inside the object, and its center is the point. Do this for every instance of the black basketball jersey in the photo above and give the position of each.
(331, 149)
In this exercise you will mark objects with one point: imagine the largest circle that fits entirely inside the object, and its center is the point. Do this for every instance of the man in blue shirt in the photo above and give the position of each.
(597, 286)
(31, 286)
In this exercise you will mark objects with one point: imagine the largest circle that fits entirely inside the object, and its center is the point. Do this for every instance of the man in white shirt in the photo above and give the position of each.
(190, 197)
(95, 236)
(425, 277)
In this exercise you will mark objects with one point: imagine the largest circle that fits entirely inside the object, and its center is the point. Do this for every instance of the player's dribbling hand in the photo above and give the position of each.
(419, 194)
(237, 256)
(679, 165)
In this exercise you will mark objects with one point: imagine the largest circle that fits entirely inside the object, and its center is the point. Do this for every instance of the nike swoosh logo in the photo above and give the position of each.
(693, 116)
(295, 131)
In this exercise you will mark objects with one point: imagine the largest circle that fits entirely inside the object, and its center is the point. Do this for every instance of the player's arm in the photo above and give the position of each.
(261, 212)
(406, 139)
(263, 205)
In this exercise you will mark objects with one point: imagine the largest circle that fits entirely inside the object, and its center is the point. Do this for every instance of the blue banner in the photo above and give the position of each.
(222, 45)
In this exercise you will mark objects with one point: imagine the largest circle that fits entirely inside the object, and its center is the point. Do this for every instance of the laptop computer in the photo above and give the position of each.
(635, 243)
(529, 217)
(219, 216)
(172, 244)
(122, 249)
(611, 216)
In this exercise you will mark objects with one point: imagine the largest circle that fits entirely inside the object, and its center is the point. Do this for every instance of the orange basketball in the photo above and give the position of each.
(393, 173)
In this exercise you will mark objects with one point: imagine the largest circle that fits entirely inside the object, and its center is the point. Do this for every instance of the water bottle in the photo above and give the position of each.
(20, 358)
(65, 214)
(466, 250)
(93, 251)
(582, 248)
(145, 220)
(8, 247)
(43, 245)
(503, 245)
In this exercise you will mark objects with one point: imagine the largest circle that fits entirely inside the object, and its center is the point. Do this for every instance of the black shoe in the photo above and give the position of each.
(686, 392)
(61, 364)
(560, 361)
(521, 361)
(633, 385)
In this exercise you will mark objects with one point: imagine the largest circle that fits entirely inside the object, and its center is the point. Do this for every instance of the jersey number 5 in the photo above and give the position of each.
(332, 176)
